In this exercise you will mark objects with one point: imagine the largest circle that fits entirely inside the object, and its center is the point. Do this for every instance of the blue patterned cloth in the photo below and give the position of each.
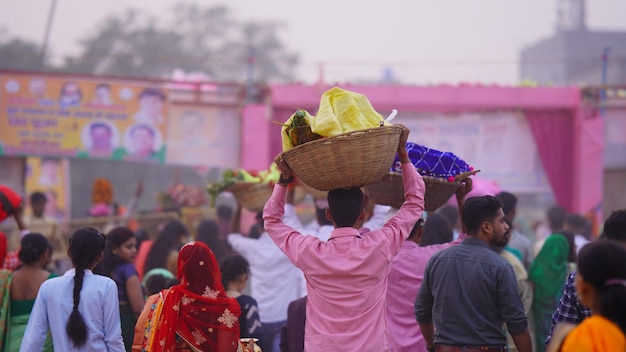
(432, 162)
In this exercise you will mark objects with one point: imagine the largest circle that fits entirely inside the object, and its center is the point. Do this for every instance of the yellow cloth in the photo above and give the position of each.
(595, 334)
(340, 111)
(343, 111)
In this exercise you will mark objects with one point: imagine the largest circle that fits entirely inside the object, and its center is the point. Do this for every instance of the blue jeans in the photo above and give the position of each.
(269, 340)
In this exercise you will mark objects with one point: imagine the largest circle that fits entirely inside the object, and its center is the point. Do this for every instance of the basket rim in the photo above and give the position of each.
(327, 140)
(459, 177)
(307, 159)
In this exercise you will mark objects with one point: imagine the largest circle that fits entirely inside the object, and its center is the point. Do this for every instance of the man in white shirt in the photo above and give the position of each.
(380, 215)
(274, 281)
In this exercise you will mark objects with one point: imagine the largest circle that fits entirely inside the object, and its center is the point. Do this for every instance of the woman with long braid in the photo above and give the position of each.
(91, 321)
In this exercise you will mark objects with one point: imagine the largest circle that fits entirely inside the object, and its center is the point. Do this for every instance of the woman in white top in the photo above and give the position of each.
(91, 320)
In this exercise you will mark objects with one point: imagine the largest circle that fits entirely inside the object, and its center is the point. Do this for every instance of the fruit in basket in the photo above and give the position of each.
(231, 177)
(297, 130)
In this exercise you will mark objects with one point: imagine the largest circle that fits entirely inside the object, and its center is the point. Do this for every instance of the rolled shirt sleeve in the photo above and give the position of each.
(288, 239)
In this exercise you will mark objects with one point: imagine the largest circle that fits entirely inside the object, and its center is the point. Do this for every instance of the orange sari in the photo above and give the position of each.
(595, 334)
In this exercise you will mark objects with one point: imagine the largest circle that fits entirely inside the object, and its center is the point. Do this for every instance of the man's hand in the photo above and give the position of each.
(283, 167)
(403, 138)
(285, 170)
(465, 188)
(402, 153)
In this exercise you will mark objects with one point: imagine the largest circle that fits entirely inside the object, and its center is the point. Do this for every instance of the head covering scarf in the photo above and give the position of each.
(197, 309)
(548, 271)
(9, 202)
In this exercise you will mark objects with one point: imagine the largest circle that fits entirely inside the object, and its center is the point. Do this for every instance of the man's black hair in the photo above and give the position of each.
(508, 201)
(477, 210)
(345, 205)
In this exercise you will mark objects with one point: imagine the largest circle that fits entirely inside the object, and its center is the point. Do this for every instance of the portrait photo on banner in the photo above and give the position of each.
(203, 136)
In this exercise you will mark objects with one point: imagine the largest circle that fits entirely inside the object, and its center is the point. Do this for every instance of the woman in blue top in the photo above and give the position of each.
(79, 308)
(119, 255)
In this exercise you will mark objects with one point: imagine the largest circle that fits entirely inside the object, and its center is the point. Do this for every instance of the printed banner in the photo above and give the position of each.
(203, 136)
(499, 144)
(84, 118)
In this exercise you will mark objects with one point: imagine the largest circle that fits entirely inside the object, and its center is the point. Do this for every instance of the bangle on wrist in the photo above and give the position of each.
(285, 181)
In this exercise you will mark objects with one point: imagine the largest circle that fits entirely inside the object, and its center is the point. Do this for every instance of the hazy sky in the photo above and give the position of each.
(422, 42)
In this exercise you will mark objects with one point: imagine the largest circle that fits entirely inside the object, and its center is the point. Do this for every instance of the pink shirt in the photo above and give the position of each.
(405, 278)
(347, 275)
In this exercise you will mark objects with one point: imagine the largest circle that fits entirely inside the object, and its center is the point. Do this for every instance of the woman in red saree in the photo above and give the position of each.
(195, 315)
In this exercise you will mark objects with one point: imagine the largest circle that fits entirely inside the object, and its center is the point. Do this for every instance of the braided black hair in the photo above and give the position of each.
(86, 246)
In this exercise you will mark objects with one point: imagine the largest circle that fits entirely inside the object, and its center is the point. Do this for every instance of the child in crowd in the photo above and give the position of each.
(235, 270)
(601, 286)
(90, 321)
(119, 254)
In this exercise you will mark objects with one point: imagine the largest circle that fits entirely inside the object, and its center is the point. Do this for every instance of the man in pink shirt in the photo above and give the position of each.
(346, 276)
(405, 278)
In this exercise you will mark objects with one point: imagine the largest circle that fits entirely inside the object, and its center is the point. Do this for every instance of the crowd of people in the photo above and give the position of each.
(361, 277)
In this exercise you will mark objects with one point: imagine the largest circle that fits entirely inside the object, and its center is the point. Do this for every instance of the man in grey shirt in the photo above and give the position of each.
(469, 291)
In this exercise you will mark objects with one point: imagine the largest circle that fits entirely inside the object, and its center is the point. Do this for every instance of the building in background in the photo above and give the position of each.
(573, 55)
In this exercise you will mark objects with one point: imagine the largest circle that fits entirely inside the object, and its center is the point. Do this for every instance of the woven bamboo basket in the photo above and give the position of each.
(353, 159)
(251, 196)
(390, 190)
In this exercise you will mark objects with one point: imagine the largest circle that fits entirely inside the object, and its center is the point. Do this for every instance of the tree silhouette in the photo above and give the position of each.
(196, 39)
(18, 54)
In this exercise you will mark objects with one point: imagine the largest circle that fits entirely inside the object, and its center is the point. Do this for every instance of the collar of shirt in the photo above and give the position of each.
(345, 232)
(472, 241)
(72, 272)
